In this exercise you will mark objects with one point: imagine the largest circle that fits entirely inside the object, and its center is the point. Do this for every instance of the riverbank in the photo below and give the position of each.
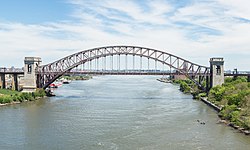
(77, 77)
(231, 101)
(5, 104)
(140, 111)
(226, 122)
(8, 97)
(234, 99)
(164, 80)
(217, 108)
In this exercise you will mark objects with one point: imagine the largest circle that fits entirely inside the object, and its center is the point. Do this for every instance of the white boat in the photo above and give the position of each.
(66, 81)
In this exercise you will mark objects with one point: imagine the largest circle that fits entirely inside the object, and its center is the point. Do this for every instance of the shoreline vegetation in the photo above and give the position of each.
(8, 97)
(231, 100)
(77, 77)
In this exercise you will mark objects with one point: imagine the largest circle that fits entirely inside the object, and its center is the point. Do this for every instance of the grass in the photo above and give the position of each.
(8, 92)
(9, 96)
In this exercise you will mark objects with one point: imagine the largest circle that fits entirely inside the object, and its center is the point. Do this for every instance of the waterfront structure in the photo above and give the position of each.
(10, 79)
(31, 65)
(217, 71)
(195, 72)
(41, 76)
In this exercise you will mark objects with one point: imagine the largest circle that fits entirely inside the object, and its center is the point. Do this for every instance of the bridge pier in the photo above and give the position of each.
(3, 82)
(216, 71)
(15, 76)
(207, 84)
(30, 79)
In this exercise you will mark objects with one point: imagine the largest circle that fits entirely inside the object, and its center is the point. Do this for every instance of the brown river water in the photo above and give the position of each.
(116, 113)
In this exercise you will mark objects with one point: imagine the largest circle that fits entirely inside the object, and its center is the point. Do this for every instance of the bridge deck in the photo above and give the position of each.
(12, 72)
(123, 73)
(238, 75)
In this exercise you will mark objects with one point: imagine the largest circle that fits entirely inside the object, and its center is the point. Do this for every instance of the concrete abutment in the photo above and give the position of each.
(216, 71)
(30, 66)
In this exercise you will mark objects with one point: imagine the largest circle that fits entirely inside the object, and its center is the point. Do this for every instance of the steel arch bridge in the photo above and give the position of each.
(48, 73)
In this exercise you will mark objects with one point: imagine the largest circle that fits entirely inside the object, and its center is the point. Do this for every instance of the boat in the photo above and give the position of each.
(49, 92)
(66, 81)
(53, 85)
(58, 84)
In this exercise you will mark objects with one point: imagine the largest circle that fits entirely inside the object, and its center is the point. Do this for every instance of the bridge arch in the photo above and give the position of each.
(48, 73)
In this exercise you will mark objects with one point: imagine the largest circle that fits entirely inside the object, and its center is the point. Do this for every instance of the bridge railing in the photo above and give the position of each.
(11, 70)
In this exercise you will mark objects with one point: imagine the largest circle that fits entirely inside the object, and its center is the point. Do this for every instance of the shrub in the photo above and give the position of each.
(203, 94)
(234, 99)
(5, 99)
(184, 87)
(41, 92)
(27, 96)
(22, 97)
(198, 95)
(228, 80)
(10, 96)
(217, 92)
(15, 97)
(239, 80)
(234, 116)
(225, 113)
(1, 99)
(8, 92)
(177, 81)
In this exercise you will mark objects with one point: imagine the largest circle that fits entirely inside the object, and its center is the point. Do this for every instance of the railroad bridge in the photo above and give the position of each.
(120, 60)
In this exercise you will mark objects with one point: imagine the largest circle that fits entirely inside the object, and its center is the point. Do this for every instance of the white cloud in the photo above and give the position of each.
(209, 29)
(239, 8)
(132, 11)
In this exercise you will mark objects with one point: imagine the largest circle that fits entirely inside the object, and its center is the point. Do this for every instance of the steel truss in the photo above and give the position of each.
(49, 73)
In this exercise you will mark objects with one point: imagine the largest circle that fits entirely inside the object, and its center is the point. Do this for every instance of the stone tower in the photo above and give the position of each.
(30, 77)
(217, 71)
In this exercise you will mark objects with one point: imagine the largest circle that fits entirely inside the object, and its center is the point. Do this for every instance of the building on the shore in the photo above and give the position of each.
(179, 77)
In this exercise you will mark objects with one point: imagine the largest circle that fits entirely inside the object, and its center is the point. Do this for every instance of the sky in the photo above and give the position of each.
(192, 29)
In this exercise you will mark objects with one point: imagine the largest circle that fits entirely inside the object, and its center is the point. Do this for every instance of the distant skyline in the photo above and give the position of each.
(192, 29)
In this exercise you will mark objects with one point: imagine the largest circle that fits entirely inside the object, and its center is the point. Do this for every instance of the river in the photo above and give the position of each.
(116, 112)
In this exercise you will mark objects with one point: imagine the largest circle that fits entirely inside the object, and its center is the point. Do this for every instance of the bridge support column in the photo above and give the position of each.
(30, 79)
(16, 82)
(199, 79)
(3, 82)
(216, 71)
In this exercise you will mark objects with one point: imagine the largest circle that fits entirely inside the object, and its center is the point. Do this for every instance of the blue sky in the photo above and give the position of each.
(192, 29)
(34, 11)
